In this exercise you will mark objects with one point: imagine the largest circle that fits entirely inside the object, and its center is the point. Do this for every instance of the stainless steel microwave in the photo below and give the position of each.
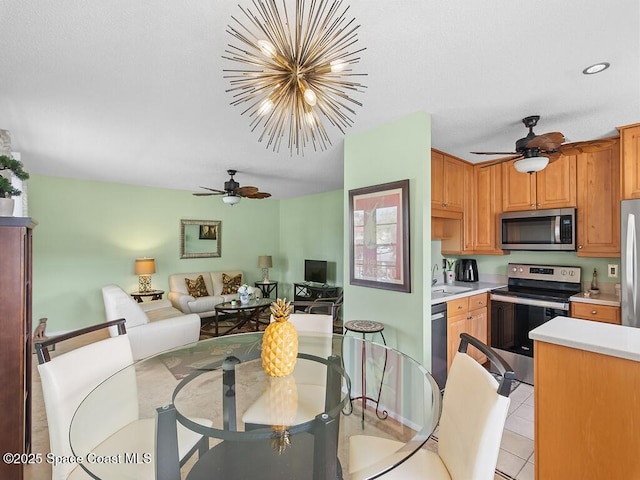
(539, 230)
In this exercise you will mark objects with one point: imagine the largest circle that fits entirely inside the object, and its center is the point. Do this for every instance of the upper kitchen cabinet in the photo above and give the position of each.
(598, 222)
(482, 224)
(447, 185)
(553, 187)
(630, 144)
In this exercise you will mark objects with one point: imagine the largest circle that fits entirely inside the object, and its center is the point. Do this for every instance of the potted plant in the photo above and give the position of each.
(449, 274)
(245, 292)
(9, 166)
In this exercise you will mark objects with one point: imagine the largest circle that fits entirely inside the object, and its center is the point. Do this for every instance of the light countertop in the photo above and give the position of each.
(474, 288)
(598, 337)
(610, 299)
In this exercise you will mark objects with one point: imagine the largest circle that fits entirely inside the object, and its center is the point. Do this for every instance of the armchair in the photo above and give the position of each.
(152, 327)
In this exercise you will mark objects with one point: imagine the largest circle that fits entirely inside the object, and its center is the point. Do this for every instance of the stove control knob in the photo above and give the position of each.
(571, 273)
(563, 273)
(521, 269)
(514, 269)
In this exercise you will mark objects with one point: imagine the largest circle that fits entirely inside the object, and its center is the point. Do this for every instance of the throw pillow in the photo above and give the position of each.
(231, 284)
(196, 287)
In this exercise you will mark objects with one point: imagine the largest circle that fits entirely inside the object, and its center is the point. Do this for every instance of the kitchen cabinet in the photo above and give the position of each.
(596, 312)
(447, 185)
(553, 187)
(598, 195)
(483, 227)
(630, 153)
(466, 315)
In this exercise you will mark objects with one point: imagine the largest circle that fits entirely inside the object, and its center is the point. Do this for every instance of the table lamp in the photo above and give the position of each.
(144, 268)
(265, 263)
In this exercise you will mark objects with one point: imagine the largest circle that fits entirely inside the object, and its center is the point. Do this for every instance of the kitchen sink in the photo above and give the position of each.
(449, 289)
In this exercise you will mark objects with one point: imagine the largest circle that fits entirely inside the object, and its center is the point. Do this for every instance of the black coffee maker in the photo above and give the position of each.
(467, 270)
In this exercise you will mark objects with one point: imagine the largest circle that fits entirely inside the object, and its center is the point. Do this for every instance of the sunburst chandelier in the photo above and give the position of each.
(293, 72)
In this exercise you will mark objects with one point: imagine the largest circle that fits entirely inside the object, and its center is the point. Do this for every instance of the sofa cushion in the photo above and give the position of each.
(204, 304)
(231, 284)
(197, 287)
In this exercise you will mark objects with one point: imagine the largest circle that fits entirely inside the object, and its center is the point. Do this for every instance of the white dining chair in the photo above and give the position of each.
(475, 407)
(68, 378)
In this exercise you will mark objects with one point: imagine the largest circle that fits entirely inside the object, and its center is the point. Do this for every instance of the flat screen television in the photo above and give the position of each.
(315, 271)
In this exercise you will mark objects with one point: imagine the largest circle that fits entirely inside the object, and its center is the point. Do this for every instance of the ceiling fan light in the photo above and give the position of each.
(531, 164)
(596, 68)
(231, 199)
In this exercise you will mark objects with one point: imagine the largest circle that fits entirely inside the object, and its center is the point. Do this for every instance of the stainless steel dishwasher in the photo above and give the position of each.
(439, 343)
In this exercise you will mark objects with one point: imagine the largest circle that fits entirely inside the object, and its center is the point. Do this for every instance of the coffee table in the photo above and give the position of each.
(244, 313)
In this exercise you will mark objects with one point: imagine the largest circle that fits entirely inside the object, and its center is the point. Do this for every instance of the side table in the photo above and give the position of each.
(364, 327)
(267, 288)
(154, 294)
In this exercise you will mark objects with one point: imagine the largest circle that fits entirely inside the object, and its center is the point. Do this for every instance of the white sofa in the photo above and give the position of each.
(152, 327)
(203, 306)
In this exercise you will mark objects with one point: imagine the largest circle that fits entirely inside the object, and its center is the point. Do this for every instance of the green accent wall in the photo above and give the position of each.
(311, 227)
(395, 151)
(89, 234)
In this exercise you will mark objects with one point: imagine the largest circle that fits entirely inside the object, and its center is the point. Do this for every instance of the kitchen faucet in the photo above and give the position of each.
(434, 280)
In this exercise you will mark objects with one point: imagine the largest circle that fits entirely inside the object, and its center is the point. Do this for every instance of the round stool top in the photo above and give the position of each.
(364, 326)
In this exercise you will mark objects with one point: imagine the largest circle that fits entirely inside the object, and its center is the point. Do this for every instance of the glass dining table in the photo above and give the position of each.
(256, 426)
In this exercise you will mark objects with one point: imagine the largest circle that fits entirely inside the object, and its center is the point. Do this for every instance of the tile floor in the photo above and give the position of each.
(515, 461)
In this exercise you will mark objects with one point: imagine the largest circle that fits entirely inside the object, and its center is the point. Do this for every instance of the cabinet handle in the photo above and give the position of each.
(459, 307)
(538, 204)
(593, 312)
(580, 247)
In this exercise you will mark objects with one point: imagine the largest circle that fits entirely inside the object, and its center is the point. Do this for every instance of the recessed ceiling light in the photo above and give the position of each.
(596, 68)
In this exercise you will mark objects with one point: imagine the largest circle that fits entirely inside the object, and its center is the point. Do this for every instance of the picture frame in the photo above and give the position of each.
(200, 238)
(379, 236)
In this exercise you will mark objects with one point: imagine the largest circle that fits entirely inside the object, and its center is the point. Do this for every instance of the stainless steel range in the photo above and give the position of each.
(534, 295)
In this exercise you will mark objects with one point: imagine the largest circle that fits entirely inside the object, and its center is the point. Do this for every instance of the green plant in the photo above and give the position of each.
(450, 263)
(15, 166)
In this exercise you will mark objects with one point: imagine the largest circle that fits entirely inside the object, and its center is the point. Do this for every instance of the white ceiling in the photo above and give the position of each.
(132, 91)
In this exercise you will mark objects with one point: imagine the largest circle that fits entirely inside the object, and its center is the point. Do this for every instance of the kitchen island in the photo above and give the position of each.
(587, 400)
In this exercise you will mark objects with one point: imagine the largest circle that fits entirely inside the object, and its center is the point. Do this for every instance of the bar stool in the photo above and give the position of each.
(364, 327)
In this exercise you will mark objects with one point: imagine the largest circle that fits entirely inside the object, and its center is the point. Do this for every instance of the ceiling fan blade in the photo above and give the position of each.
(494, 153)
(215, 190)
(246, 191)
(205, 194)
(502, 160)
(552, 156)
(259, 195)
(546, 141)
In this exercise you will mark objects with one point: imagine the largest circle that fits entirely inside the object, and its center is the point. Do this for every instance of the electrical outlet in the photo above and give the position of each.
(612, 270)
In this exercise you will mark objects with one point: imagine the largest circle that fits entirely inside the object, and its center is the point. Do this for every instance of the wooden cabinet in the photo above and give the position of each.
(598, 222)
(15, 339)
(447, 185)
(553, 187)
(487, 206)
(596, 312)
(630, 170)
(466, 315)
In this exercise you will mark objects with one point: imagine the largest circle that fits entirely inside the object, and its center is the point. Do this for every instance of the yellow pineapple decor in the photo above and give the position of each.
(283, 409)
(280, 342)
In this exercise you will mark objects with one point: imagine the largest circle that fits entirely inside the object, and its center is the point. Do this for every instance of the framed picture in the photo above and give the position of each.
(379, 236)
(208, 232)
(196, 236)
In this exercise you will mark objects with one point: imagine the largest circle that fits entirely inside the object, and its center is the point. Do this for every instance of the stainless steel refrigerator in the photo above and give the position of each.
(630, 243)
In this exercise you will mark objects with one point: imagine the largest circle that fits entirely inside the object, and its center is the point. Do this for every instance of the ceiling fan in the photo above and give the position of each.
(534, 152)
(233, 192)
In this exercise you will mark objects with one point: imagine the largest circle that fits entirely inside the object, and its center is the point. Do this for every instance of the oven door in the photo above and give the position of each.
(512, 318)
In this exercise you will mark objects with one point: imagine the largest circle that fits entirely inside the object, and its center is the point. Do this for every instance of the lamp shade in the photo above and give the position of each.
(265, 261)
(531, 164)
(231, 199)
(145, 266)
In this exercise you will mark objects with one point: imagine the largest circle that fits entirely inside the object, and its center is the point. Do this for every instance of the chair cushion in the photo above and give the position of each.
(230, 284)
(197, 287)
(366, 450)
(118, 304)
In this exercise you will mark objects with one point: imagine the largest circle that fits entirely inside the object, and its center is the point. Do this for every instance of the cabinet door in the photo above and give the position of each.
(437, 180)
(519, 189)
(599, 203)
(488, 206)
(556, 184)
(469, 214)
(630, 137)
(456, 325)
(598, 313)
(453, 184)
(478, 329)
